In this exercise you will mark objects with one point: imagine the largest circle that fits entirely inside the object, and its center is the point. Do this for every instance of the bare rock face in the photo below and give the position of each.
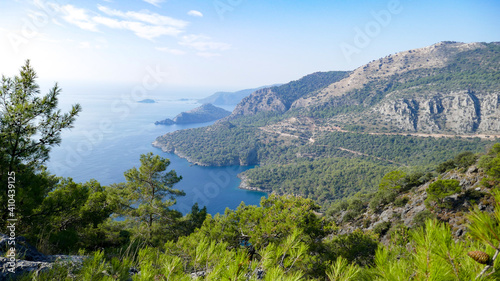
(26, 259)
(462, 112)
(263, 100)
(433, 56)
(425, 107)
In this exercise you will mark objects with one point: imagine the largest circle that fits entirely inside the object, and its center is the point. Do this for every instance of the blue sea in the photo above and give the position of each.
(113, 130)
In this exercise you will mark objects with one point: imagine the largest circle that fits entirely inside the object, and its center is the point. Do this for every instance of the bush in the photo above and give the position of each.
(382, 228)
(356, 247)
(420, 218)
(440, 189)
(415, 179)
(356, 205)
(472, 195)
(350, 215)
(465, 159)
(399, 234)
(446, 166)
(462, 160)
(382, 198)
(401, 201)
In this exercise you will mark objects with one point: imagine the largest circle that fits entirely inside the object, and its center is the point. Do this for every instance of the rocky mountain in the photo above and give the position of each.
(229, 98)
(413, 109)
(204, 113)
(448, 87)
(280, 98)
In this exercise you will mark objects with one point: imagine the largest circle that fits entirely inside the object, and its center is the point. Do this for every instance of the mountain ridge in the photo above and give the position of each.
(400, 89)
(230, 98)
(405, 105)
(204, 113)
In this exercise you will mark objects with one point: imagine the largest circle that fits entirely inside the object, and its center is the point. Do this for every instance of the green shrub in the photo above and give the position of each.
(446, 166)
(420, 218)
(350, 215)
(399, 234)
(462, 160)
(356, 205)
(356, 247)
(382, 198)
(441, 189)
(401, 201)
(465, 159)
(382, 228)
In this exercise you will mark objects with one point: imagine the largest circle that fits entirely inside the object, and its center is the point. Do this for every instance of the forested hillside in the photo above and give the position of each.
(437, 236)
(439, 224)
(414, 109)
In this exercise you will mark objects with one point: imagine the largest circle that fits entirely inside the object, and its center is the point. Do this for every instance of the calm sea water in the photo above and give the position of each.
(113, 131)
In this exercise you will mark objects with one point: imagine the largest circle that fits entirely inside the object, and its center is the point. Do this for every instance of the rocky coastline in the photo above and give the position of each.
(244, 184)
(178, 153)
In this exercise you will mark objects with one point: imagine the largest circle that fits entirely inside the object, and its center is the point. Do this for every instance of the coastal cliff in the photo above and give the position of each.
(202, 114)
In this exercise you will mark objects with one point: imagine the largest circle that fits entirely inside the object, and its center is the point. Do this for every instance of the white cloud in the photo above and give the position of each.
(144, 24)
(171, 51)
(195, 13)
(77, 16)
(140, 29)
(154, 2)
(108, 22)
(144, 16)
(203, 43)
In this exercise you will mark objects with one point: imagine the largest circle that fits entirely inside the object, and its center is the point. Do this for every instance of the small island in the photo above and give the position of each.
(202, 114)
(147, 101)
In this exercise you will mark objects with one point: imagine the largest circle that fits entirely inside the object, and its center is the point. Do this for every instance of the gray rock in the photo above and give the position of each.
(263, 100)
(14, 269)
(28, 259)
(198, 274)
(23, 249)
(461, 112)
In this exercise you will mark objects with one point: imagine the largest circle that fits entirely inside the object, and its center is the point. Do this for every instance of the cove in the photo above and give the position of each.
(87, 152)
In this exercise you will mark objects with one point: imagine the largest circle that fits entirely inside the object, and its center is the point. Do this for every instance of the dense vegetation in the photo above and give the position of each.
(323, 180)
(333, 173)
(295, 165)
(405, 150)
(285, 238)
(323, 170)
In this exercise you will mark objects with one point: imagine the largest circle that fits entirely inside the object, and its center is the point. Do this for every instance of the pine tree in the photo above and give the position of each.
(30, 125)
(143, 198)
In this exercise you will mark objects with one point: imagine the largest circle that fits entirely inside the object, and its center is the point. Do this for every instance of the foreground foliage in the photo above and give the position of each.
(292, 244)
(285, 238)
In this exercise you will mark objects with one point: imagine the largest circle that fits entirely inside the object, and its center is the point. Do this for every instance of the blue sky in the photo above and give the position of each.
(225, 44)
